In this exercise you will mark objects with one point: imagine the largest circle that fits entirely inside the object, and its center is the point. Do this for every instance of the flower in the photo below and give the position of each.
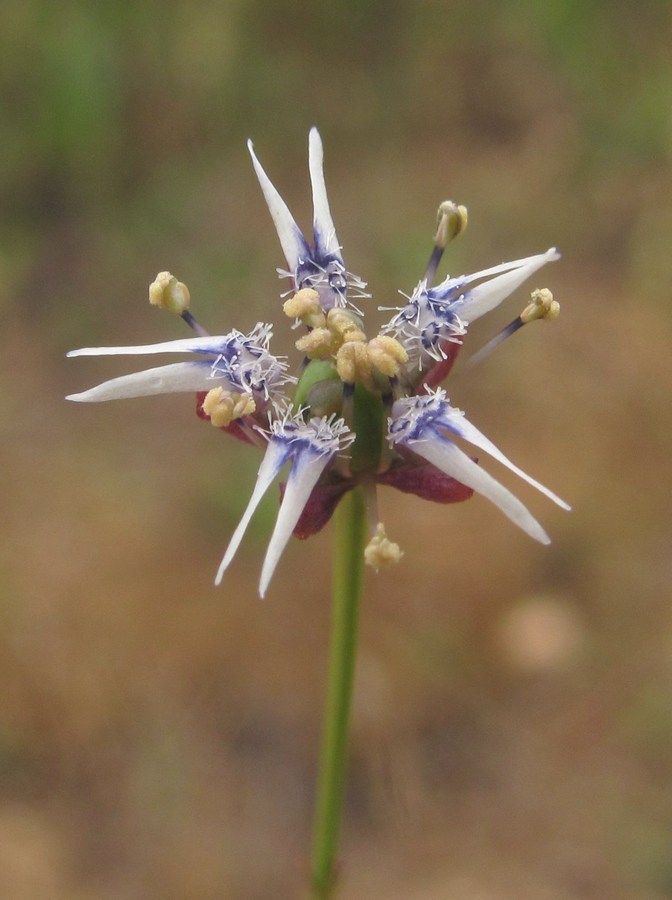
(359, 411)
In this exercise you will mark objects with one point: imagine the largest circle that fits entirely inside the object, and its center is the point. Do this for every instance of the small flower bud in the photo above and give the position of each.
(380, 551)
(224, 406)
(386, 355)
(541, 306)
(169, 293)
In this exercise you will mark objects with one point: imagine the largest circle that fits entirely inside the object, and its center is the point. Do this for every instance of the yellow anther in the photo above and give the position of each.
(380, 551)
(452, 221)
(169, 293)
(353, 336)
(305, 305)
(345, 325)
(358, 360)
(224, 406)
(317, 344)
(541, 306)
(386, 355)
(353, 363)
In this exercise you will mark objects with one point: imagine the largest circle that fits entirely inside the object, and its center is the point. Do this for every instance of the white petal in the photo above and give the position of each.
(274, 459)
(171, 379)
(209, 344)
(451, 460)
(459, 425)
(293, 243)
(485, 297)
(305, 472)
(507, 266)
(326, 242)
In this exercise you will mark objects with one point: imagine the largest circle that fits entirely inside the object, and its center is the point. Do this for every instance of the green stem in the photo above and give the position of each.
(349, 539)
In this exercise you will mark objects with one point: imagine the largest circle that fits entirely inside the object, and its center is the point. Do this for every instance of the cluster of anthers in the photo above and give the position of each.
(360, 411)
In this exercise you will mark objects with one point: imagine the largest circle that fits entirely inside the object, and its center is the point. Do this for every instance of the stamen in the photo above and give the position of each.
(224, 406)
(168, 293)
(452, 221)
(192, 323)
(342, 327)
(364, 362)
(386, 355)
(381, 551)
(305, 305)
(485, 351)
(317, 344)
(345, 325)
(541, 306)
(353, 363)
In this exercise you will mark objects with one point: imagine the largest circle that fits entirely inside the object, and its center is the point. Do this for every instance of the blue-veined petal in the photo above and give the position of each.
(310, 446)
(437, 316)
(240, 361)
(293, 243)
(319, 266)
(419, 423)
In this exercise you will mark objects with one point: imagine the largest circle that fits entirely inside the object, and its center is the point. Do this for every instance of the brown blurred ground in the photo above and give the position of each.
(512, 733)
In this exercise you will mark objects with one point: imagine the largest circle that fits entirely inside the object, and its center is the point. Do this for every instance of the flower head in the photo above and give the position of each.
(359, 410)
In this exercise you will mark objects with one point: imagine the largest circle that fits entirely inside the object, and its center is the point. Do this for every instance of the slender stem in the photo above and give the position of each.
(349, 539)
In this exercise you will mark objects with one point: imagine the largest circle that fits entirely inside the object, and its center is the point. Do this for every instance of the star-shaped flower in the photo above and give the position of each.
(359, 411)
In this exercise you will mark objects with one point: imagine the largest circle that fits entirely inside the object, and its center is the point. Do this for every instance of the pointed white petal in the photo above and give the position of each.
(209, 344)
(324, 231)
(460, 426)
(305, 472)
(451, 460)
(293, 243)
(508, 266)
(275, 457)
(485, 297)
(171, 379)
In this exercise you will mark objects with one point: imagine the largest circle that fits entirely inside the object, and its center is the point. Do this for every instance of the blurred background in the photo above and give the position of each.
(512, 730)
